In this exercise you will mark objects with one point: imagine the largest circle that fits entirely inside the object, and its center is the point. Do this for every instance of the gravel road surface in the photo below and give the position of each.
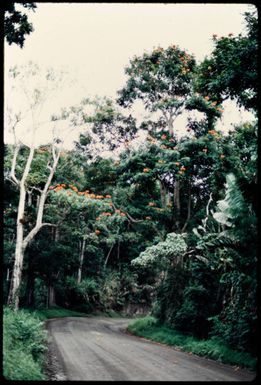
(99, 349)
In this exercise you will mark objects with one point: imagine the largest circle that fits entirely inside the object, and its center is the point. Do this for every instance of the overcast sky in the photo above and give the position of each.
(95, 41)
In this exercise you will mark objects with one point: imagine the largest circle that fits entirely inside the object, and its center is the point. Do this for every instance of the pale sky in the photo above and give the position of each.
(95, 41)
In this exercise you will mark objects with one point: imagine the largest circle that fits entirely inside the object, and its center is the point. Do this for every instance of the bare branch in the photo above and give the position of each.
(49, 224)
(13, 167)
(35, 188)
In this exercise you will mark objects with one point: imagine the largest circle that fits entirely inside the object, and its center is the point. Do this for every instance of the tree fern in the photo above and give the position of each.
(232, 206)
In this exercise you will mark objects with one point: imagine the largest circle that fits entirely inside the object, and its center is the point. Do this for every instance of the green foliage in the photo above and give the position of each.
(57, 312)
(231, 70)
(24, 342)
(214, 348)
(194, 311)
(164, 252)
(170, 292)
(233, 206)
(16, 24)
(161, 72)
(86, 292)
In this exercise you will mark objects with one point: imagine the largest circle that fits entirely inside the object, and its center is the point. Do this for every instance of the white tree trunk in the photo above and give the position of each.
(82, 250)
(13, 298)
(21, 241)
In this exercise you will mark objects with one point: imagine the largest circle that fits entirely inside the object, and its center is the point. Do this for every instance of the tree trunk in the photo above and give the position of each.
(189, 208)
(82, 250)
(170, 125)
(13, 297)
(51, 302)
(177, 204)
(107, 257)
(162, 194)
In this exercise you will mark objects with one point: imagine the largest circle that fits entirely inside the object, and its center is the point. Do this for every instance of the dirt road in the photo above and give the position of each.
(98, 349)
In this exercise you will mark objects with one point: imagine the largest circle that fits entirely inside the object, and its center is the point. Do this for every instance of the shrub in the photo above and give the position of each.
(24, 342)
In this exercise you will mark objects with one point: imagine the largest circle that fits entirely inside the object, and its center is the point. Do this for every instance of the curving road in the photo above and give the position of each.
(99, 349)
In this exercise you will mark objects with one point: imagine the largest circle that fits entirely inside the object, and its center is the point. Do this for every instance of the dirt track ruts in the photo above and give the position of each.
(98, 349)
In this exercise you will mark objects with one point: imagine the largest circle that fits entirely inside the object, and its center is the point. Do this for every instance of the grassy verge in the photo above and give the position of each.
(44, 314)
(24, 344)
(213, 348)
(59, 312)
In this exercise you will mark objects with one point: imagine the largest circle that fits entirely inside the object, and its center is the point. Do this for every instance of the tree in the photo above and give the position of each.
(231, 70)
(162, 80)
(21, 175)
(105, 127)
(16, 24)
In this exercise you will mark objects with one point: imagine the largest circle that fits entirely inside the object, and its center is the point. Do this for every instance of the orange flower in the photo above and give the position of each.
(177, 163)
(146, 169)
(222, 156)
(148, 218)
(107, 196)
(123, 215)
(212, 132)
(183, 168)
(206, 97)
(152, 204)
(97, 232)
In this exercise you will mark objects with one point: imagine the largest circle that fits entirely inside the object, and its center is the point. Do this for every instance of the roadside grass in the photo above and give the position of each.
(24, 344)
(214, 348)
(57, 312)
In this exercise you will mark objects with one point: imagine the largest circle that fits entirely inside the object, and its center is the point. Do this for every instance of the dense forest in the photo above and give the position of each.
(166, 225)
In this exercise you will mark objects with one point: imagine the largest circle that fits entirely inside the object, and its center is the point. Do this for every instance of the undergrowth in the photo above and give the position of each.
(44, 314)
(24, 344)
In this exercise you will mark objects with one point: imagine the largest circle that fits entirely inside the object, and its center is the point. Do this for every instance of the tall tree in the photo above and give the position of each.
(20, 174)
(162, 79)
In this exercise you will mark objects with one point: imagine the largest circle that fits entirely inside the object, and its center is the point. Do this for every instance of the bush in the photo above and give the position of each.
(24, 342)
(194, 311)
